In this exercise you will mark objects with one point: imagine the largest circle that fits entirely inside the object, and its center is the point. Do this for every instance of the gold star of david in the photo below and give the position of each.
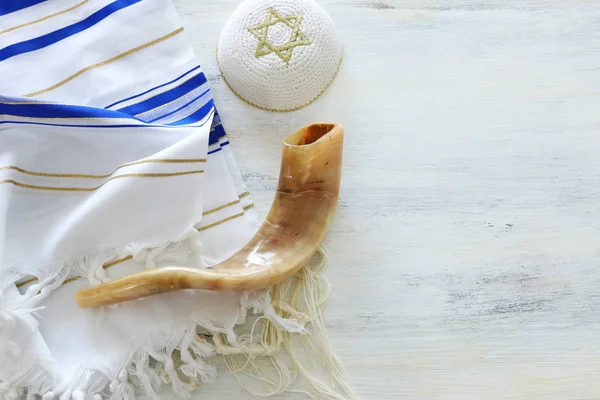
(284, 51)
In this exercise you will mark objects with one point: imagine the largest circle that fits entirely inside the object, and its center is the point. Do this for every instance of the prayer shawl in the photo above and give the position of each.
(113, 158)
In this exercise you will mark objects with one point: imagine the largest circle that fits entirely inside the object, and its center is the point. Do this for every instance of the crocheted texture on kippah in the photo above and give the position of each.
(279, 55)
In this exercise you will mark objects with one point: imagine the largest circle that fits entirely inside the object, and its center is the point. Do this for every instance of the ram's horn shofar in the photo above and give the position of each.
(298, 221)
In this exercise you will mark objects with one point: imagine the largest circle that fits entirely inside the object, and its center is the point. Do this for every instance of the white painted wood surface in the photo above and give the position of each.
(465, 255)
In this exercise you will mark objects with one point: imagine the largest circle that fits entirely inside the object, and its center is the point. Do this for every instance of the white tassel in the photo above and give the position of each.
(192, 354)
(151, 255)
(137, 251)
(48, 396)
(287, 324)
(148, 378)
(100, 274)
(120, 388)
(66, 395)
(22, 309)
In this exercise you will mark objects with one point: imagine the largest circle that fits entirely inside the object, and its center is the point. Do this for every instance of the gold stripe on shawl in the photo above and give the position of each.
(80, 189)
(90, 176)
(234, 216)
(44, 18)
(105, 62)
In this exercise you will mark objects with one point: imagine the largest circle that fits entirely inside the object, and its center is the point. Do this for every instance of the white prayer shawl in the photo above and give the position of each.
(112, 159)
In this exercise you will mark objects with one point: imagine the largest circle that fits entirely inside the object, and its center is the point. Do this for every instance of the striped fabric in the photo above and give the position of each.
(9, 6)
(113, 158)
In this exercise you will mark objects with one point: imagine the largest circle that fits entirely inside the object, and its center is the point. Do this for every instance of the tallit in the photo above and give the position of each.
(112, 159)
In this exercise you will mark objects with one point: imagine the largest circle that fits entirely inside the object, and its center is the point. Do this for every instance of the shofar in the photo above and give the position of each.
(298, 221)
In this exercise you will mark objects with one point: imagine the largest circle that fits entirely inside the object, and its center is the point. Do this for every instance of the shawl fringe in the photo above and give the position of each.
(178, 355)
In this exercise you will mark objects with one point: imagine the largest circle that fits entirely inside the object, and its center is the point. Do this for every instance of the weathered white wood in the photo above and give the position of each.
(465, 256)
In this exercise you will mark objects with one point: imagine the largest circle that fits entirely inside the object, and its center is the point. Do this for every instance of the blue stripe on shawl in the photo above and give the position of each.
(217, 117)
(195, 116)
(165, 97)
(101, 126)
(180, 108)
(48, 110)
(219, 149)
(9, 6)
(63, 33)
(216, 133)
(154, 88)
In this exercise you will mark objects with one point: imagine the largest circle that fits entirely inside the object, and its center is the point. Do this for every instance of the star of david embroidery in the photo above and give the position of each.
(283, 51)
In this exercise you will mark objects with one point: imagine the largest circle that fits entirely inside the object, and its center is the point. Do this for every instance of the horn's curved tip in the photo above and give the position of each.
(304, 205)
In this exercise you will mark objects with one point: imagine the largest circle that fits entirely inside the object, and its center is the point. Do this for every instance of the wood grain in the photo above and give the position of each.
(465, 254)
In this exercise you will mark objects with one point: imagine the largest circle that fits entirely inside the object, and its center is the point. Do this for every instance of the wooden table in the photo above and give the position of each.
(465, 255)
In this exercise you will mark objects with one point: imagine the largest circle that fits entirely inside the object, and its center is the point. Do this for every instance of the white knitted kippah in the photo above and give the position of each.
(279, 55)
